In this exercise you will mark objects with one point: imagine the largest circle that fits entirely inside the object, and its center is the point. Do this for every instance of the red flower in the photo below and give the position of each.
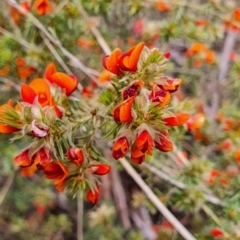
(216, 232)
(56, 170)
(161, 97)
(128, 61)
(143, 145)
(93, 195)
(110, 62)
(177, 120)
(101, 169)
(164, 142)
(42, 7)
(23, 159)
(123, 112)
(42, 158)
(75, 155)
(120, 148)
(20, 62)
(162, 6)
(133, 90)
(39, 161)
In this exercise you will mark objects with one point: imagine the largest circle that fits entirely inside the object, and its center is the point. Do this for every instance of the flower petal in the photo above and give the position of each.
(64, 81)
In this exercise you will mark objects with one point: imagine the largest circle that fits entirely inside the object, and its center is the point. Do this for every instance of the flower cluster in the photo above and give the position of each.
(42, 116)
(200, 53)
(137, 110)
(141, 110)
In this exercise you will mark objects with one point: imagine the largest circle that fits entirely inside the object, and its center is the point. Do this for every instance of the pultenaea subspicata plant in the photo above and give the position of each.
(65, 131)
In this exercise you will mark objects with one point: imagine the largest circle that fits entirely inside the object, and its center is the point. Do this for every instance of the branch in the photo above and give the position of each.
(79, 217)
(6, 188)
(120, 197)
(53, 39)
(103, 44)
(55, 54)
(155, 200)
(10, 82)
(18, 39)
(180, 185)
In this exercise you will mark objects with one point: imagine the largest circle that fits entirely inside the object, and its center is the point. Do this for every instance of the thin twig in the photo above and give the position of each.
(155, 200)
(10, 82)
(79, 217)
(120, 197)
(106, 49)
(18, 39)
(6, 188)
(59, 7)
(210, 198)
(55, 54)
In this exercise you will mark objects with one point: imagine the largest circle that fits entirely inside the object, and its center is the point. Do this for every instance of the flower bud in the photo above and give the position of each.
(120, 148)
(101, 169)
(75, 155)
(93, 195)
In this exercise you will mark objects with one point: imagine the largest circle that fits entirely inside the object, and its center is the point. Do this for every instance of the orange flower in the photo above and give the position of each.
(162, 6)
(5, 70)
(64, 81)
(143, 145)
(4, 128)
(120, 148)
(128, 61)
(212, 176)
(196, 48)
(38, 87)
(237, 155)
(56, 170)
(201, 23)
(20, 62)
(93, 195)
(14, 13)
(101, 169)
(25, 72)
(110, 62)
(177, 120)
(164, 142)
(49, 71)
(29, 171)
(196, 121)
(161, 97)
(172, 85)
(42, 7)
(75, 155)
(236, 14)
(123, 112)
(23, 159)
(197, 63)
(133, 90)
(85, 43)
(105, 76)
(210, 57)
